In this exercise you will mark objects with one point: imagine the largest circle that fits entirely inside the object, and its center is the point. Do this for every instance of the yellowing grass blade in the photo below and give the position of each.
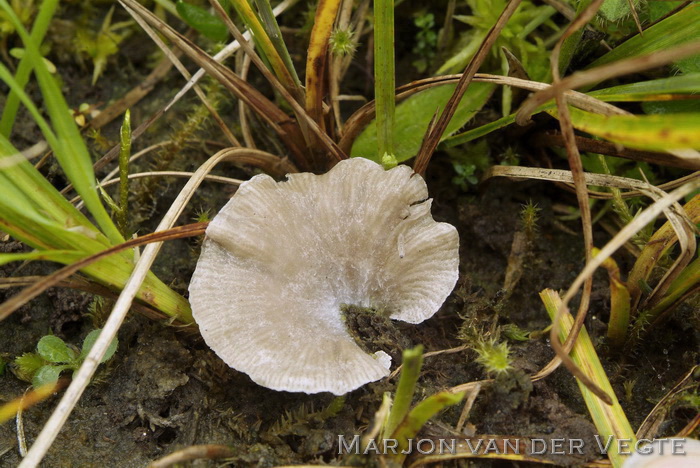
(646, 132)
(610, 420)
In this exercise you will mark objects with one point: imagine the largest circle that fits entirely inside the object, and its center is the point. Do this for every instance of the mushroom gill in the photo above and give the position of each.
(280, 259)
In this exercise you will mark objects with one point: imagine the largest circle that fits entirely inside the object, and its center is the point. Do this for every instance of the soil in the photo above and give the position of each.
(165, 390)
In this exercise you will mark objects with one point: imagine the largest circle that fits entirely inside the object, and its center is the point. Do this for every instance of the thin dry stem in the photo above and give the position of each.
(605, 72)
(82, 377)
(649, 427)
(183, 71)
(576, 166)
(141, 175)
(46, 282)
(625, 234)
(193, 452)
(242, 108)
(432, 138)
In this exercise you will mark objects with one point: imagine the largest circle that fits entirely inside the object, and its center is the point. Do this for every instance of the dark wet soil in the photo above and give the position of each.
(165, 390)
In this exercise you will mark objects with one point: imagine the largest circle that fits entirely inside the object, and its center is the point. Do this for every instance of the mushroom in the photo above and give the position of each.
(665, 453)
(281, 259)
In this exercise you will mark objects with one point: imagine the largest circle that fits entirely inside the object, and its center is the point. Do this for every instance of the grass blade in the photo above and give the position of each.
(413, 116)
(69, 149)
(619, 304)
(384, 79)
(410, 371)
(610, 420)
(41, 25)
(317, 58)
(672, 31)
(420, 415)
(262, 40)
(269, 21)
(647, 132)
(655, 90)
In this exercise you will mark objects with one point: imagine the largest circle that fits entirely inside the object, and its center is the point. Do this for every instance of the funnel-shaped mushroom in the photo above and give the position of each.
(280, 259)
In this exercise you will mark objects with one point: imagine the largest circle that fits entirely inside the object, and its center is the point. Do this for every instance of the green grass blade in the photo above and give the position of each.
(420, 415)
(263, 41)
(572, 42)
(478, 132)
(59, 256)
(22, 183)
(18, 91)
(41, 25)
(675, 30)
(610, 420)
(688, 279)
(269, 22)
(410, 371)
(413, 117)
(654, 90)
(70, 149)
(385, 80)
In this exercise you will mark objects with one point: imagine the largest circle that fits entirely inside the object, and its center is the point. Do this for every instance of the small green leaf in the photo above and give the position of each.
(615, 10)
(90, 342)
(27, 365)
(53, 349)
(201, 20)
(47, 374)
(413, 116)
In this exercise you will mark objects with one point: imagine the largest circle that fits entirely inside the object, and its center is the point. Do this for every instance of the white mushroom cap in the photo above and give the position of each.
(280, 259)
(666, 453)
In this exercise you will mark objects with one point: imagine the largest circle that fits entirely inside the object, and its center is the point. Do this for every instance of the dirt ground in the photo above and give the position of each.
(165, 390)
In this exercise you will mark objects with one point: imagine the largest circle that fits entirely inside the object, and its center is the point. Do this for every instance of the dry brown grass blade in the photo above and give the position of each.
(662, 240)
(317, 58)
(173, 58)
(625, 234)
(243, 67)
(27, 294)
(636, 188)
(457, 349)
(605, 72)
(684, 229)
(690, 428)
(465, 448)
(281, 123)
(305, 121)
(611, 149)
(635, 15)
(649, 428)
(432, 138)
(576, 166)
(80, 283)
(363, 116)
(466, 409)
